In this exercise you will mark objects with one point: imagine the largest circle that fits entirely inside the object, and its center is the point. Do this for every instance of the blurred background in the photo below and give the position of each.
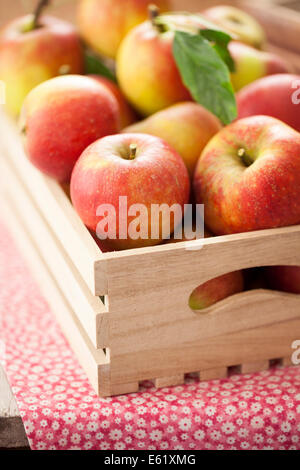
(65, 8)
(279, 18)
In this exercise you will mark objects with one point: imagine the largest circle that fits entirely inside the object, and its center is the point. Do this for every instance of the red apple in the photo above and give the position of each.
(283, 278)
(277, 96)
(140, 167)
(61, 117)
(127, 115)
(30, 55)
(248, 176)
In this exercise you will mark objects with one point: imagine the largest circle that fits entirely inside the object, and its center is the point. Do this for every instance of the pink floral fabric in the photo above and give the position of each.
(61, 411)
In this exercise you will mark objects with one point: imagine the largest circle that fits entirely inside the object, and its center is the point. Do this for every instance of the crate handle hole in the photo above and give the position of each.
(215, 290)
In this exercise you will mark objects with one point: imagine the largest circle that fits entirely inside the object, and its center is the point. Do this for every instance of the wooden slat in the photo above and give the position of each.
(251, 367)
(212, 374)
(248, 346)
(88, 308)
(94, 362)
(122, 389)
(170, 381)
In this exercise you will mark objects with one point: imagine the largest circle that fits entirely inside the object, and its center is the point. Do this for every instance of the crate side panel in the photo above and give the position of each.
(94, 362)
(171, 324)
(89, 309)
(255, 345)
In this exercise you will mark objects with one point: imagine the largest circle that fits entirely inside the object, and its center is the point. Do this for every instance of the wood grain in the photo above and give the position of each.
(89, 309)
(94, 361)
(250, 367)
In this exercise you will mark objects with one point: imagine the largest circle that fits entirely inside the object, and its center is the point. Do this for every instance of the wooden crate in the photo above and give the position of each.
(126, 314)
(142, 327)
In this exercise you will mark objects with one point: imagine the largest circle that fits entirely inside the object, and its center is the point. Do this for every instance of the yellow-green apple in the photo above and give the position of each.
(146, 69)
(104, 23)
(127, 114)
(118, 183)
(248, 176)
(283, 278)
(187, 127)
(244, 27)
(277, 96)
(61, 117)
(32, 54)
(252, 64)
(216, 289)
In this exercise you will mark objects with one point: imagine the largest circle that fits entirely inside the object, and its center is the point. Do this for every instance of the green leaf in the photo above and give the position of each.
(95, 66)
(220, 41)
(205, 74)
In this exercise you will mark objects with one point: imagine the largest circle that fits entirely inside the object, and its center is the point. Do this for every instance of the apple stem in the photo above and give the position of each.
(38, 11)
(245, 158)
(154, 12)
(133, 149)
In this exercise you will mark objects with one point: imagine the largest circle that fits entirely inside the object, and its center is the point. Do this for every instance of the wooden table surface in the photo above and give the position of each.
(12, 432)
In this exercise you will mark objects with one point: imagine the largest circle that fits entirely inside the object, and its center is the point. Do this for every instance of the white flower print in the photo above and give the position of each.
(228, 428)
(93, 426)
(69, 418)
(155, 435)
(185, 424)
(258, 438)
(215, 435)
(120, 446)
(256, 407)
(41, 446)
(243, 432)
(29, 427)
(199, 435)
(140, 434)
(210, 410)
(115, 434)
(104, 424)
(245, 445)
(257, 422)
(230, 410)
(75, 438)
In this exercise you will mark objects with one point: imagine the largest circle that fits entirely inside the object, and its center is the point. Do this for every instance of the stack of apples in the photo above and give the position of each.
(149, 135)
